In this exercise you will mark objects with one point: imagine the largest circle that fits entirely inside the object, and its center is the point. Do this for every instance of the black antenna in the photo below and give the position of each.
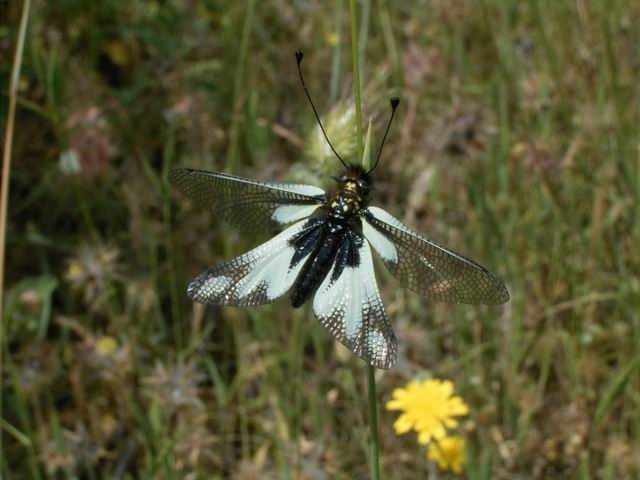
(395, 101)
(299, 55)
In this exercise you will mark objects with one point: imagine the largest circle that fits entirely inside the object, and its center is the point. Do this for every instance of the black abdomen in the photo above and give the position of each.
(316, 267)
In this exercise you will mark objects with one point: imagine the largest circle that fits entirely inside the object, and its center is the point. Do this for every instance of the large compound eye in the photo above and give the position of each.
(344, 179)
(363, 186)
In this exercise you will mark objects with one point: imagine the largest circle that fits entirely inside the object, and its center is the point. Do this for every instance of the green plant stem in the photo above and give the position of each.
(356, 74)
(392, 49)
(8, 139)
(373, 422)
(167, 162)
(4, 189)
(363, 31)
(337, 51)
(371, 372)
(234, 134)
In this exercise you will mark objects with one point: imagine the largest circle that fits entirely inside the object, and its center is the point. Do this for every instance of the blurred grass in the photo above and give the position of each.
(517, 143)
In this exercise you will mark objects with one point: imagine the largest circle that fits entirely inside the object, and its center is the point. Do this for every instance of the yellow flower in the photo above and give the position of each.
(106, 345)
(74, 269)
(332, 39)
(448, 452)
(428, 407)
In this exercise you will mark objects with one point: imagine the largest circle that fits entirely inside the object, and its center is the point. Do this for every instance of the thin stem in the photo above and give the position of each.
(392, 49)
(167, 162)
(371, 377)
(337, 51)
(373, 423)
(6, 170)
(8, 139)
(356, 74)
(363, 32)
(234, 134)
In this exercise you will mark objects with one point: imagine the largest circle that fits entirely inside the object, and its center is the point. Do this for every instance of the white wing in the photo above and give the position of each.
(248, 204)
(255, 278)
(351, 309)
(427, 268)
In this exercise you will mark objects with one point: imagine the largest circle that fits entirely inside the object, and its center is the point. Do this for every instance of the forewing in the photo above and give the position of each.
(427, 268)
(255, 278)
(250, 205)
(351, 309)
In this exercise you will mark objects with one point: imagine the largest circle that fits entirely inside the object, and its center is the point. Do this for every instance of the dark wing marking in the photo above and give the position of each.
(428, 269)
(250, 205)
(255, 278)
(350, 307)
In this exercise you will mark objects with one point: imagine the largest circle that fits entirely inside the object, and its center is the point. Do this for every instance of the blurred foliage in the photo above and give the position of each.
(516, 142)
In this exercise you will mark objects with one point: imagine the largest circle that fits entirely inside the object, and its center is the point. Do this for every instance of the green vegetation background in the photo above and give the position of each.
(517, 143)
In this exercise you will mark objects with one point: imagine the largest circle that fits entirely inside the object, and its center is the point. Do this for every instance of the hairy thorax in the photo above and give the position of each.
(346, 203)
